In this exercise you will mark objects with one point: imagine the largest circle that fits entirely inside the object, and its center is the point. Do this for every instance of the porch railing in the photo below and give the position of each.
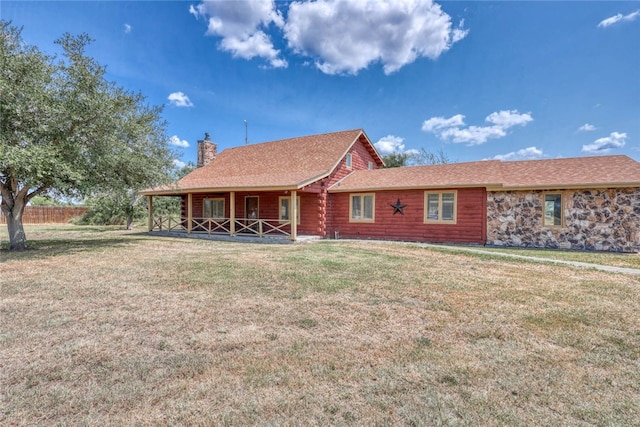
(211, 225)
(168, 223)
(262, 227)
(222, 226)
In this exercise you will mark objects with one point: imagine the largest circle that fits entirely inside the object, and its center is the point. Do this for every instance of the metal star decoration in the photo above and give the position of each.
(398, 207)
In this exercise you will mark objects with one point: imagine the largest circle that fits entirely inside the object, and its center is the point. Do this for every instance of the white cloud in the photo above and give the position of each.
(437, 123)
(453, 130)
(390, 144)
(179, 163)
(174, 140)
(473, 135)
(604, 145)
(340, 36)
(345, 36)
(179, 99)
(127, 28)
(242, 26)
(506, 119)
(586, 128)
(619, 18)
(529, 153)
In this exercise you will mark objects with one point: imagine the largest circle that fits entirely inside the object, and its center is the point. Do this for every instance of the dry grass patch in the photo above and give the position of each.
(112, 327)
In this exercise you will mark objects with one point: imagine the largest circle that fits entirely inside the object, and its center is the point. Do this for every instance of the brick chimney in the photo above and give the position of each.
(207, 150)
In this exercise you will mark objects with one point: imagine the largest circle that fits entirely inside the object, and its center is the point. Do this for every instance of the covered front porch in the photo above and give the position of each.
(240, 215)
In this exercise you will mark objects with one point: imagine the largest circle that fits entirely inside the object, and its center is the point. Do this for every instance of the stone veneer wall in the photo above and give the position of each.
(601, 220)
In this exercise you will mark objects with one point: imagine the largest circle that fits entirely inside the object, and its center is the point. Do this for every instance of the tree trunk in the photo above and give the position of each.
(130, 210)
(13, 214)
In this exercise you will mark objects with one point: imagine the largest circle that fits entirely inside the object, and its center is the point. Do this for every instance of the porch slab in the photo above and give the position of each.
(239, 238)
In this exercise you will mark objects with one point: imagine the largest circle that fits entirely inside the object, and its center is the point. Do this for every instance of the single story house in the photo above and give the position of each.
(335, 186)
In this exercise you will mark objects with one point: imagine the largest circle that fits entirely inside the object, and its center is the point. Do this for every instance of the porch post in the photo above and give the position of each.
(294, 215)
(232, 213)
(189, 212)
(150, 198)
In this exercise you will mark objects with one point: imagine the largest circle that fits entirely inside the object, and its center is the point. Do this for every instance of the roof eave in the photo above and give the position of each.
(313, 180)
(194, 190)
(372, 146)
(336, 188)
(199, 190)
(561, 186)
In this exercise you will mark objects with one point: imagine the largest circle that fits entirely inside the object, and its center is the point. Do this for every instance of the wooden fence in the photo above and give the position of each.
(48, 214)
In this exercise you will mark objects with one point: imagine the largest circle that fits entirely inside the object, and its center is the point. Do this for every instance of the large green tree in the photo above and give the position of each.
(65, 130)
(125, 205)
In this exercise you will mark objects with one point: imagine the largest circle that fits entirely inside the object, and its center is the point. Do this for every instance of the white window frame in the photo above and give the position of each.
(358, 215)
(428, 216)
(281, 216)
(348, 159)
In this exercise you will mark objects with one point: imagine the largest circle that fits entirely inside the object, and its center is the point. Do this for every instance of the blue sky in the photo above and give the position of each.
(478, 80)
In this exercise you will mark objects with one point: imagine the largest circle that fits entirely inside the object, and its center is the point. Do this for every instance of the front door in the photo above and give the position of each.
(251, 214)
(251, 207)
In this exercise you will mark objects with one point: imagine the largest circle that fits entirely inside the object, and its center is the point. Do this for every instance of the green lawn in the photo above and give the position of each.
(626, 260)
(101, 326)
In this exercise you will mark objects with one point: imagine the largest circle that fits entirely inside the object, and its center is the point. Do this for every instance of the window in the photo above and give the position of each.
(553, 209)
(285, 209)
(370, 166)
(213, 208)
(361, 207)
(440, 207)
(348, 160)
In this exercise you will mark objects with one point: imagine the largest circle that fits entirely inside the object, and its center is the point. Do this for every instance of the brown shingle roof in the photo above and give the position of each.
(602, 171)
(284, 164)
(472, 174)
(572, 172)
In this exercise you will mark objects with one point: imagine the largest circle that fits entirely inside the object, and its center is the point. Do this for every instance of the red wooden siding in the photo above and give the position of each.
(469, 228)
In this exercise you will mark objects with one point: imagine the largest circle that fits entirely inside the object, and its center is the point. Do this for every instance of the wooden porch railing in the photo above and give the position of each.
(211, 225)
(168, 223)
(262, 227)
(222, 226)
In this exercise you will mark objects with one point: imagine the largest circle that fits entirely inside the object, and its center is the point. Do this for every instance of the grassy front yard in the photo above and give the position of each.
(100, 326)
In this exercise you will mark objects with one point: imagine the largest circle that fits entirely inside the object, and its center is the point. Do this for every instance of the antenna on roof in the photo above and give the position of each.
(246, 132)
